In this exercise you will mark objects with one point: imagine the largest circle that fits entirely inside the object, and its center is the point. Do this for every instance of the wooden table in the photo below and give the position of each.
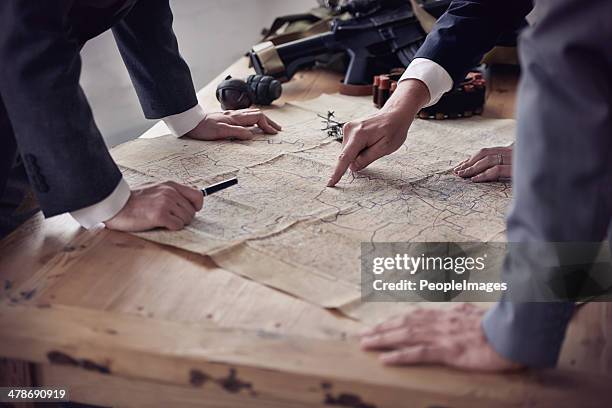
(129, 323)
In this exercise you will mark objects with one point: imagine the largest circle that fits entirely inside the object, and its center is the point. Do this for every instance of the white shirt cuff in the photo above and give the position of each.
(92, 216)
(181, 123)
(436, 78)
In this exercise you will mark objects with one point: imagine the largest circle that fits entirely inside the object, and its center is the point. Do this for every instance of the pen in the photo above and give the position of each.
(215, 188)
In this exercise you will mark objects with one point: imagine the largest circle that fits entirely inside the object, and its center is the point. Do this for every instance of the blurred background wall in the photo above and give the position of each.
(211, 33)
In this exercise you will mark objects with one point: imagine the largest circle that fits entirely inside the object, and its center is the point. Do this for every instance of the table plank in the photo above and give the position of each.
(260, 365)
(110, 271)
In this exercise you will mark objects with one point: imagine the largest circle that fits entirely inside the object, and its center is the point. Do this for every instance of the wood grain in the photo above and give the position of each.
(257, 365)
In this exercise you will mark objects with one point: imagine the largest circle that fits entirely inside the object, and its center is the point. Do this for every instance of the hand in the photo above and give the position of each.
(242, 124)
(489, 164)
(168, 205)
(432, 336)
(367, 140)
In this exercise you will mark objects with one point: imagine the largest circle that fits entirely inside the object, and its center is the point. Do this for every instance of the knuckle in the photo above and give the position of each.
(166, 202)
(167, 193)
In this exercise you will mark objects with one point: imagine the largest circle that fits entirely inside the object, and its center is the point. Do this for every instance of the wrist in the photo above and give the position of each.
(409, 98)
(196, 132)
(182, 123)
(90, 217)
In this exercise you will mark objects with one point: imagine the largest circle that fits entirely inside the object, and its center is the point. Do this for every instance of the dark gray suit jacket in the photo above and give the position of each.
(562, 179)
(45, 119)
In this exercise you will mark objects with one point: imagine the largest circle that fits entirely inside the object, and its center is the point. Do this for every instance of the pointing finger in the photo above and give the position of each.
(348, 155)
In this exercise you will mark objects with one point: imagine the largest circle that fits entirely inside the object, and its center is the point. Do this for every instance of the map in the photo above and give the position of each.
(281, 225)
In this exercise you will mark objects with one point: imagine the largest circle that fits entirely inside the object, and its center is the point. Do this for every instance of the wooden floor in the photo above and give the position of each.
(129, 323)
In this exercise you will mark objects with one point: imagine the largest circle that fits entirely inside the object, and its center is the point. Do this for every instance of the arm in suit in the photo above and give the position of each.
(562, 181)
(460, 37)
(528, 333)
(150, 51)
(162, 81)
(65, 156)
(468, 30)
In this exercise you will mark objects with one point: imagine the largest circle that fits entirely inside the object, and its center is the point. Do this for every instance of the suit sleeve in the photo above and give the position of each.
(562, 180)
(468, 30)
(150, 51)
(66, 159)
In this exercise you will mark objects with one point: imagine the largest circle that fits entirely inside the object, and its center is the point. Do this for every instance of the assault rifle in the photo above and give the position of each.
(378, 35)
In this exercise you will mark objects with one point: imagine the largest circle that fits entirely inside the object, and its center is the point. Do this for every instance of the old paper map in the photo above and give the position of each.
(281, 226)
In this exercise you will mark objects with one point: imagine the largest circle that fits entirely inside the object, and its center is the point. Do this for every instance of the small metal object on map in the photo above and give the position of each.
(333, 127)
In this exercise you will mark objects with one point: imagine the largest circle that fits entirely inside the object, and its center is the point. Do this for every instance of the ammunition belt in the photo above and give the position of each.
(465, 100)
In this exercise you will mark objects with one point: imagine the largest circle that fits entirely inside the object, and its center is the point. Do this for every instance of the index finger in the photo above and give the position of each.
(194, 196)
(265, 125)
(348, 155)
(273, 123)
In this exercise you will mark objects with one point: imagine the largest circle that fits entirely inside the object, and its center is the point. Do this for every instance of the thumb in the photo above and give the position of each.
(193, 195)
(369, 155)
